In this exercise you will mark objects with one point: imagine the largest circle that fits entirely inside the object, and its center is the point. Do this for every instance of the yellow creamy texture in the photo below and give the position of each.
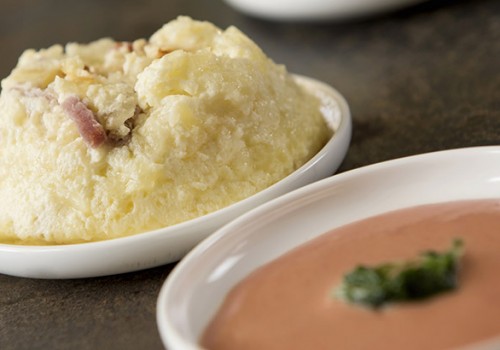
(213, 121)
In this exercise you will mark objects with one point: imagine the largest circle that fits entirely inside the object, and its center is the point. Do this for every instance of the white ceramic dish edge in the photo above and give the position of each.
(196, 287)
(311, 10)
(154, 248)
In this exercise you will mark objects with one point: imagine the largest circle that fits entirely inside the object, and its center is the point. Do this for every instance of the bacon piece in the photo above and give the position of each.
(92, 132)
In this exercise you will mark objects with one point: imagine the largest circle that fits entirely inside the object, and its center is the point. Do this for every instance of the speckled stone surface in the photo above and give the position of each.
(423, 79)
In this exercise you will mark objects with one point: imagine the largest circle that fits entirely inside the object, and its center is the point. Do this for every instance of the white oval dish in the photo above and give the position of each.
(169, 244)
(196, 288)
(316, 9)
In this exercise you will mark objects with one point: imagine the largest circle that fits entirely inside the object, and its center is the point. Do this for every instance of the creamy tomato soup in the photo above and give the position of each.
(290, 303)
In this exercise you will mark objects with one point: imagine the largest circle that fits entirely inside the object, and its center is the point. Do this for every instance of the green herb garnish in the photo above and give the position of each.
(431, 273)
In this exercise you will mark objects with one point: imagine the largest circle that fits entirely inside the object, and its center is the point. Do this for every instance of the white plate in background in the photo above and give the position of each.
(316, 9)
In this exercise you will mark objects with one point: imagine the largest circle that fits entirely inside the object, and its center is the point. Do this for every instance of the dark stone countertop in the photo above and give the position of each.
(422, 79)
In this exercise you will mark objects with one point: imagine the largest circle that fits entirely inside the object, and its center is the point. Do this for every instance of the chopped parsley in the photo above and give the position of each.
(429, 274)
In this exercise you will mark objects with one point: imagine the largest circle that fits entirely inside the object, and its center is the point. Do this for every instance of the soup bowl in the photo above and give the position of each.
(196, 288)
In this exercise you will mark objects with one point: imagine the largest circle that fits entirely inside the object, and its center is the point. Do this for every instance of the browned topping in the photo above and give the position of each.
(89, 128)
(163, 52)
(118, 141)
(89, 69)
(126, 44)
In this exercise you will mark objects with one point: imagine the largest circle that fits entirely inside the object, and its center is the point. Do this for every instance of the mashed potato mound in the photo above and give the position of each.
(109, 138)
